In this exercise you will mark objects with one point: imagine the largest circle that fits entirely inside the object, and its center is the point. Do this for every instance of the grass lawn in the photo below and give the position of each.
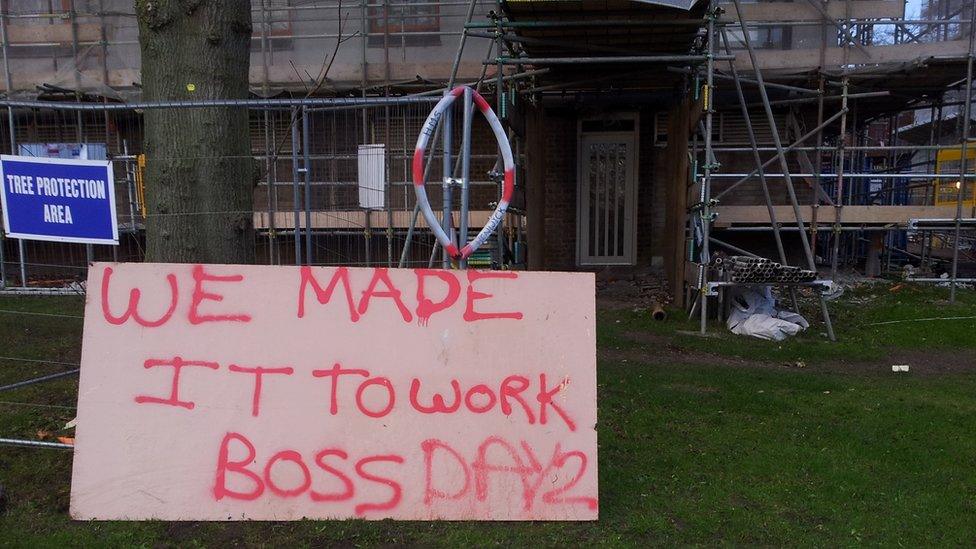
(703, 440)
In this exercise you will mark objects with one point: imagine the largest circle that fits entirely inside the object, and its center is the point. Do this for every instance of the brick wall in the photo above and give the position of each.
(560, 183)
(561, 189)
(650, 194)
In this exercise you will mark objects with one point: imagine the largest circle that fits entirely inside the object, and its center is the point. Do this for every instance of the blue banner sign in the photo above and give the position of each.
(58, 200)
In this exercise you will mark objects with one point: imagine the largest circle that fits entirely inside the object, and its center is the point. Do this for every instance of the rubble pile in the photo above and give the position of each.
(637, 289)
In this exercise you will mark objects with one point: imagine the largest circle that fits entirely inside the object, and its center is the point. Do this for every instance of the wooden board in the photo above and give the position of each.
(803, 11)
(851, 215)
(59, 33)
(804, 59)
(246, 392)
(357, 219)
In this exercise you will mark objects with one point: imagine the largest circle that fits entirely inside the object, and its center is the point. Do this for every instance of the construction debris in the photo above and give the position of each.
(745, 269)
(754, 313)
(657, 312)
(638, 289)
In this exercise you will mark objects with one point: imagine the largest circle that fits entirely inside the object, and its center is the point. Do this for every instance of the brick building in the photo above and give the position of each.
(603, 101)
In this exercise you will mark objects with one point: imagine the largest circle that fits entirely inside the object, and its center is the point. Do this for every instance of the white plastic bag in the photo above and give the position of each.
(754, 313)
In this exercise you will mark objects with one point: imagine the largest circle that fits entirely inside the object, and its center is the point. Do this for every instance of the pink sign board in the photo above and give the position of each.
(230, 392)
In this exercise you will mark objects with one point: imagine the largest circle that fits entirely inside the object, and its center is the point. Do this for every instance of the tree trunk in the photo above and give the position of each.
(199, 170)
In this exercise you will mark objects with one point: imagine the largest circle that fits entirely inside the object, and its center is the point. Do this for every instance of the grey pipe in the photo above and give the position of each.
(465, 172)
(609, 59)
(306, 165)
(35, 444)
(447, 221)
(960, 196)
(296, 196)
(249, 103)
(41, 379)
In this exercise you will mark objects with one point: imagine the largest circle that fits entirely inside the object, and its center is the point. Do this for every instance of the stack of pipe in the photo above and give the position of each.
(745, 269)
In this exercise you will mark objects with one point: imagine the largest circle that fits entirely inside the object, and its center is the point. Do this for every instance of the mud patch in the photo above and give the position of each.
(655, 347)
(921, 362)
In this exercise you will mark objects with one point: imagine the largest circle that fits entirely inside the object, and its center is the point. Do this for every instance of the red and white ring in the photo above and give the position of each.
(418, 173)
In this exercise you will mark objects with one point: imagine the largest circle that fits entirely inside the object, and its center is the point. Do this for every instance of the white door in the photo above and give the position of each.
(607, 198)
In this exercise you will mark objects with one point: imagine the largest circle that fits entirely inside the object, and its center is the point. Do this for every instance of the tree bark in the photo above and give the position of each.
(199, 170)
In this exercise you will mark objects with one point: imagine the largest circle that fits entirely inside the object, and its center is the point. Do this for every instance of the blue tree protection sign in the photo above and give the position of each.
(58, 200)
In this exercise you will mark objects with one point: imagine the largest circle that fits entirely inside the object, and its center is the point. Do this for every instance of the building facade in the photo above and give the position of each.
(605, 104)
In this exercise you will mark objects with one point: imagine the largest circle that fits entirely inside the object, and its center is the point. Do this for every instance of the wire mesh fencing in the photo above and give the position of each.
(333, 181)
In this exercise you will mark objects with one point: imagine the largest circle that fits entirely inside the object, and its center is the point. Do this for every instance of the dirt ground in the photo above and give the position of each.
(921, 362)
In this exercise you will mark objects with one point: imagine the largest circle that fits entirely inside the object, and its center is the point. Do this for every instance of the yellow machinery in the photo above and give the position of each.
(947, 162)
(141, 183)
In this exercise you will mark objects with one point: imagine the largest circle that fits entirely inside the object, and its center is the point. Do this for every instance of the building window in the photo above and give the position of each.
(407, 22)
(271, 18)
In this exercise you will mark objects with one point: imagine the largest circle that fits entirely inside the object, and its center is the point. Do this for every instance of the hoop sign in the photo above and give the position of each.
(508, 183)
(58, 200)
(225, 392)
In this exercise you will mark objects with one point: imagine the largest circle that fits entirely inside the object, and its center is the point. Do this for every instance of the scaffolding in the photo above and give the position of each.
(845, 176)
(855, 187)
